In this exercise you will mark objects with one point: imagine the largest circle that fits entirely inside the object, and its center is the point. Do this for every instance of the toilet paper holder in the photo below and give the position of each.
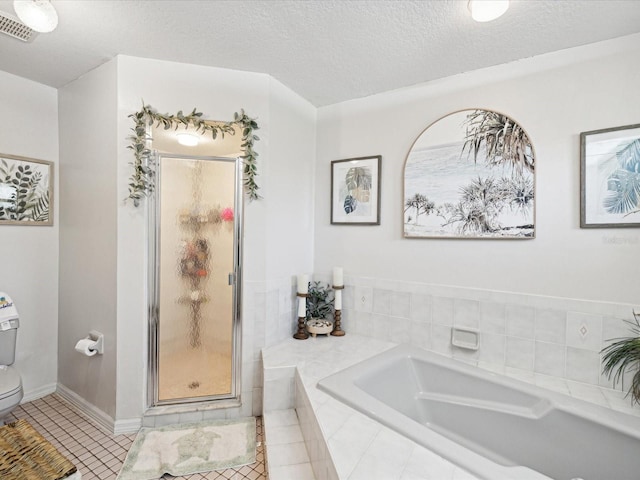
(97, 337)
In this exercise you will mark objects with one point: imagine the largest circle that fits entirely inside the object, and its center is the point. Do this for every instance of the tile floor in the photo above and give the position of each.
(98, 455)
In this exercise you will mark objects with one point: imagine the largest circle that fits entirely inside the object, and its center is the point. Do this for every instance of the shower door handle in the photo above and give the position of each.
(231, 279)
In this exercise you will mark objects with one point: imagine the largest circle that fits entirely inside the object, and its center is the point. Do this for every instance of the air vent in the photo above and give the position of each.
(13, 27)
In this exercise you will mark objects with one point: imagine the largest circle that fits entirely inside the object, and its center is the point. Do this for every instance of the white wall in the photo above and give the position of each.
(29, 272)
(288, 198)
(287, 132)
(88, 200)
(554, 97)
(289, 182)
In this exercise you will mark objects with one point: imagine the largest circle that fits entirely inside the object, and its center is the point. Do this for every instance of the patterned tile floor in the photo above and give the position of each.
(98, 455)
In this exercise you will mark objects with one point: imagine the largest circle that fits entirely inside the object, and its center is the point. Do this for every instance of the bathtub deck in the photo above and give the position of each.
(355, 446)
(345, 444)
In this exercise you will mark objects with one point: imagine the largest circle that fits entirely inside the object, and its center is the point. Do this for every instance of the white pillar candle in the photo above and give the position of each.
(338, 279)
(302, 307)
(303, 283)
(338, 300)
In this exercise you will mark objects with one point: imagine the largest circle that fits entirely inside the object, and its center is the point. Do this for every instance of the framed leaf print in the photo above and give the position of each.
(26, 191)
(355, 191)
(610, 177)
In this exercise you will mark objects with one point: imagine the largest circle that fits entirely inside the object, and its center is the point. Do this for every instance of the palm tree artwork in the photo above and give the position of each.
(611, 177)
(470, 175)
(420, 204)
(624, 182)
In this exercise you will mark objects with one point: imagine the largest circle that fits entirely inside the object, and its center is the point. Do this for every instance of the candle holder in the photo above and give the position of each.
(301, 333)
(337, 330)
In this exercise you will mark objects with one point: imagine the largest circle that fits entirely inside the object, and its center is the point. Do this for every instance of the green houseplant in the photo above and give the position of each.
(319, 309)
(623, 356)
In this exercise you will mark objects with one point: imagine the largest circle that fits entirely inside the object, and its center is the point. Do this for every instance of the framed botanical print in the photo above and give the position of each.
(355, 191)
(26, 191)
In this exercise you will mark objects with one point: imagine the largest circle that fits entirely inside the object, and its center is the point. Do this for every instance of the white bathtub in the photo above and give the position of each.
(496, 427)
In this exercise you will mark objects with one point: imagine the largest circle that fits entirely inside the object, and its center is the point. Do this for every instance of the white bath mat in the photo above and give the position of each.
(190, 448)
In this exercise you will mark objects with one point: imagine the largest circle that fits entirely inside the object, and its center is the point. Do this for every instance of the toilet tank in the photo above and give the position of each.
(9, 324)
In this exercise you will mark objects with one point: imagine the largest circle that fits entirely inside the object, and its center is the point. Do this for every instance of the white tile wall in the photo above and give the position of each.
(550, 359)
(348, 296)
(381, 301)
(321, 462)
(420, 334)
(613, 328)
(492, 317)
(551, 326)
(520, 321)
(547, 335)
(583, 365)
(584, 331)
(363, 298)
(441, 339)
(269, 316)
(492, 348)
(286, 451)
(400, 305)
(520, 353)
(442, 311)
(420, 308)
(466, 313)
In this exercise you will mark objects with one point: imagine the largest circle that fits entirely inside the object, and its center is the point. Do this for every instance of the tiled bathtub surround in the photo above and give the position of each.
(268, 318)
(518, 332)
(345, 444)
(533, 334)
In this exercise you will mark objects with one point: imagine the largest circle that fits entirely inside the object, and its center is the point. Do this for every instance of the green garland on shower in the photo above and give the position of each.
(142, 181)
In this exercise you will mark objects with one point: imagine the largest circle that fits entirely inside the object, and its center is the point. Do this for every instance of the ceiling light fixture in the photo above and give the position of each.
(39, 15)
(487, 10)
(188, 139)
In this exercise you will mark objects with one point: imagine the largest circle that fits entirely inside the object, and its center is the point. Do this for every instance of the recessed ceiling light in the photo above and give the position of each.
(187, 139)
(39, 15)
(487, 10)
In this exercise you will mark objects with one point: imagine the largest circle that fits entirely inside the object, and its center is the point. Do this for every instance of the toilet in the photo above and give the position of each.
(10, 382)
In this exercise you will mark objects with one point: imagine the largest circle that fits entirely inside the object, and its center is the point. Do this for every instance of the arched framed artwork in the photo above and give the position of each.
(470, 174)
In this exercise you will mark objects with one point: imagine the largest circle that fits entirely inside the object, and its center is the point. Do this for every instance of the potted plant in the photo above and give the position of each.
(319, 309)
(624, 355)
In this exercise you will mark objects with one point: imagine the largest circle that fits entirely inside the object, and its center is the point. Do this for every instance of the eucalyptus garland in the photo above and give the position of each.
(142, 181)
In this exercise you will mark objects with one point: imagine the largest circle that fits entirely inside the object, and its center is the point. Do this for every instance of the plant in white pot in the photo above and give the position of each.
(319, 309)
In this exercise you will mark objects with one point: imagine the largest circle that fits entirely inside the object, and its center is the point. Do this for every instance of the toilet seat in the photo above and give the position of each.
(10, 382)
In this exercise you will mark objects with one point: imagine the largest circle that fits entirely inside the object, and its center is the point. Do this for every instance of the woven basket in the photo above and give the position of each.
(26, 455)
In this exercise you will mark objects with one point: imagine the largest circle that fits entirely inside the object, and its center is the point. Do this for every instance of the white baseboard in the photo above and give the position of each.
(129, 425)
(39, 393)
(86, 409)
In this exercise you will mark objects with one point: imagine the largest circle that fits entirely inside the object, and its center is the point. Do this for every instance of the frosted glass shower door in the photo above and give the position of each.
(196, 254)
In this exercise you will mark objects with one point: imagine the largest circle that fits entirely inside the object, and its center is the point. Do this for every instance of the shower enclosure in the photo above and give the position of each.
(195, 251)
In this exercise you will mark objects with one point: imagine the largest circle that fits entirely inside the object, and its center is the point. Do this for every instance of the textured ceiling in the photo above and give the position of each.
(326, 50)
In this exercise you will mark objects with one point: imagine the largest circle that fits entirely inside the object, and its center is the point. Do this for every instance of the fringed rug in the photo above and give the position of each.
(26, 455)
(190, 448)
